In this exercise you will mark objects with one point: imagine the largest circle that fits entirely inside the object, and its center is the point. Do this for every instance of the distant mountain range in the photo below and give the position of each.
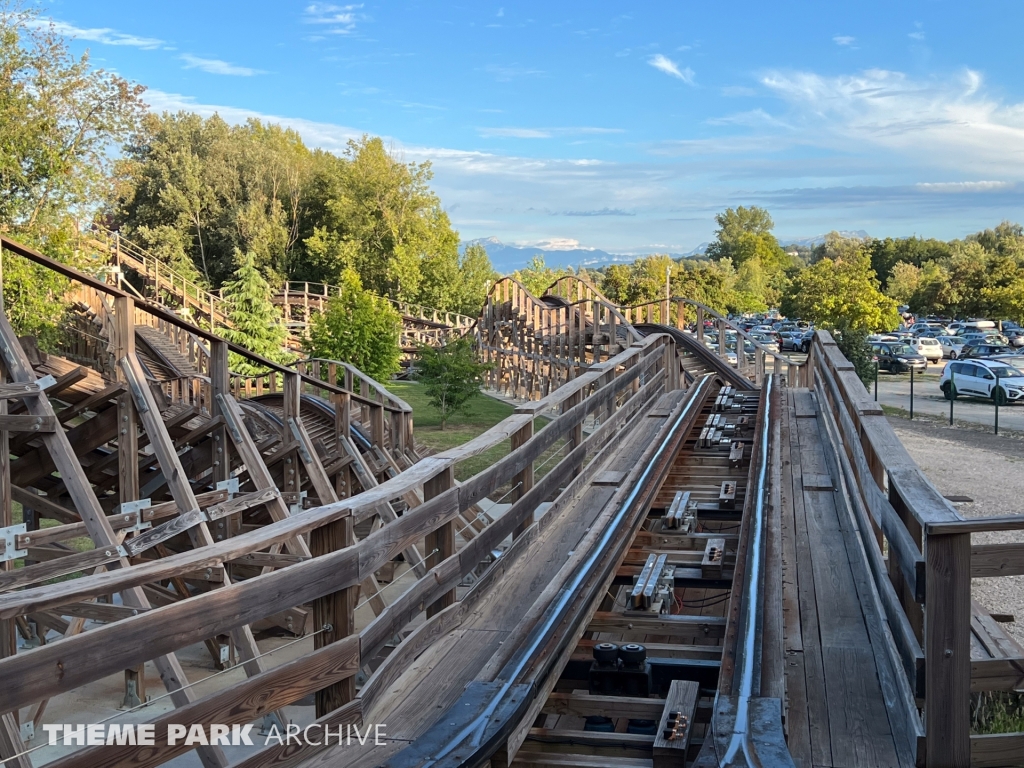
(569, 253)
(508, 258)
(810, 242)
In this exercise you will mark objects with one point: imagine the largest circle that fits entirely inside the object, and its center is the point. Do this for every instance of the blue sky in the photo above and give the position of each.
(620, 126)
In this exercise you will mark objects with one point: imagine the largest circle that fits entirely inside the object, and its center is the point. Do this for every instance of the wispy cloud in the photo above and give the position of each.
(500, 13)
(218, 67)
(665, 64)
(754, 118)
(599, 212)
(337, 19)
(918, 34)
(845, 40)
(515, 133)
(964, 186)
(937, 123)
(738, 90)
(546, 133)
(509, 73)
(104, 35)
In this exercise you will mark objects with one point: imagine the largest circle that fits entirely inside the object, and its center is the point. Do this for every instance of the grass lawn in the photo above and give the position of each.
(481, 414)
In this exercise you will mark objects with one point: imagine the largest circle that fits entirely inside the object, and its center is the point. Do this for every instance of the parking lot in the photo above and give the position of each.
(894, 391)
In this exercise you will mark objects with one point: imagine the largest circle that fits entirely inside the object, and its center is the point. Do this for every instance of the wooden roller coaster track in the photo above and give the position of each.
(671, 565)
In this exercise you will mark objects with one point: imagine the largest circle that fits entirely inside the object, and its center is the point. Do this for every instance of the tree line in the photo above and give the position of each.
(238, 209)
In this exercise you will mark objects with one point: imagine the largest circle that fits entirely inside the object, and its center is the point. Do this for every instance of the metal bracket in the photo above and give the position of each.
(134, 509)
(28, 731)
(230, 485)
(8, 538)
(270, 720)
(297, 507)
(45, 382)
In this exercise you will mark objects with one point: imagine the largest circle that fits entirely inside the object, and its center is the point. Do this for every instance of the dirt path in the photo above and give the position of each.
(990, 470)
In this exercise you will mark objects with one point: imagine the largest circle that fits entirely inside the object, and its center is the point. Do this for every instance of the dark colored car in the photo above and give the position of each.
(898, 358)
(805, 341)
(985, 350)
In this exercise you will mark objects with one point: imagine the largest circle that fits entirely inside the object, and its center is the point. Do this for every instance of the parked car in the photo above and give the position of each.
(805, 341)
(927, 347)
(985, 349)
(952, 346)
(982, 378)
(898, 358)
(765, 340)
(923, 327)
(1015, 336)
(790, 340)
(984, 337)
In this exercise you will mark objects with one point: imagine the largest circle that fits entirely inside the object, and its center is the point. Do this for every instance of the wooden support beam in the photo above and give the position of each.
(73, 476)
(440, 543)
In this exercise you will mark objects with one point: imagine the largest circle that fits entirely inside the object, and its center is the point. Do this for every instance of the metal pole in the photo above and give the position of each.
(911, 393)
(952, 394)
(876, 381)
(996, 398)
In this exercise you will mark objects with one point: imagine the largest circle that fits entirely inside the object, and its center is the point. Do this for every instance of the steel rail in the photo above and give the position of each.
(475, 731)
(741, 741)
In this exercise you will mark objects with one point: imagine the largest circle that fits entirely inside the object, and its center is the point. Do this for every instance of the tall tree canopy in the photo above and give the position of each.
(60, 120)
(197, 190)
(841, 290)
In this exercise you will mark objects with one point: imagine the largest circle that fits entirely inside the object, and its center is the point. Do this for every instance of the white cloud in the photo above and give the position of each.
(515, 133)
(546, 133)
(934, 123)
(754, 118)
(104, 35)
(964, 186)
(916, 35)
(218, 67)
(555, 244)
(665, 64)
(338, 19)
(844, 40)
(501, 12)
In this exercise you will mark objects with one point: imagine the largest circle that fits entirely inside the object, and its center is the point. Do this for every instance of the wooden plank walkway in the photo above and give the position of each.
(836, 713)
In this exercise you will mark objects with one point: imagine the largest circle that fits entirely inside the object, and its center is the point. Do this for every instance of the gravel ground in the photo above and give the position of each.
(990, 470)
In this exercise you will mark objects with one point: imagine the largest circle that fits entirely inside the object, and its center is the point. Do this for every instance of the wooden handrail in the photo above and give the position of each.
(41, 598)
(165, 315)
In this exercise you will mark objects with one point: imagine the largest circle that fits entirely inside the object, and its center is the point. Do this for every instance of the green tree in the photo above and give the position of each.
(744, 236)
(537, 275)
(841, 291)
(358, 328)
(60, 122)
(853, 343)
(737, 228)
(253, 320)
(615, 282)
(904, 281)
(476, 277)
(451, 376)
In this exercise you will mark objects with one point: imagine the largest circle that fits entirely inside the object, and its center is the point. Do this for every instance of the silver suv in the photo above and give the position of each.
(982, 378)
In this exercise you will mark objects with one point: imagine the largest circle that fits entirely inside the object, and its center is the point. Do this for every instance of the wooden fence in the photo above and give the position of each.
(922, 561)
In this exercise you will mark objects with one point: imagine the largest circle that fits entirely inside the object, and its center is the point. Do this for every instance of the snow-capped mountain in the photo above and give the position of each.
(507, 258)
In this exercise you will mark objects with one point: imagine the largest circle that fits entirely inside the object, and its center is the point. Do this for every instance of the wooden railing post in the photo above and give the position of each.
(127, 418)
(525, 478)
(440, 544)
(335, 610)
(947, 650)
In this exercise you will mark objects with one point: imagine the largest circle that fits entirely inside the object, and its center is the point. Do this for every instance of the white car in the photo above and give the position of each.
(982, 378)
(952, 346)
(927, 347)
